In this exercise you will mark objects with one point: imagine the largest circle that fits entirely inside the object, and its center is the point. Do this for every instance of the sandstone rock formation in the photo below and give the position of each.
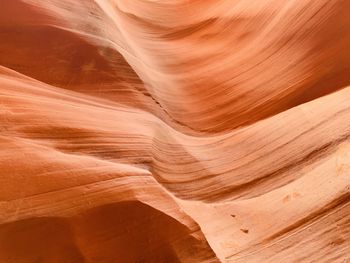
(174, 131)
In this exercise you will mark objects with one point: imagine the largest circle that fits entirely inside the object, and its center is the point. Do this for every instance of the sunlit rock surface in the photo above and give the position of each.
(174, 131)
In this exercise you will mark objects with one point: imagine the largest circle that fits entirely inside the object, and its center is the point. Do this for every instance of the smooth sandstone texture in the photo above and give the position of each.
(174, 131)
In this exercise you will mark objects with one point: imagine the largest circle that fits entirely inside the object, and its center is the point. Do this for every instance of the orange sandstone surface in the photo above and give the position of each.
(174, 131)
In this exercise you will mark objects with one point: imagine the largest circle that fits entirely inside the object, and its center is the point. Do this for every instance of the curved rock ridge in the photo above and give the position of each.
(174, 131)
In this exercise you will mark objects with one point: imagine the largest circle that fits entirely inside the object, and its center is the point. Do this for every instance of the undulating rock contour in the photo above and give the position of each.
(174, 131)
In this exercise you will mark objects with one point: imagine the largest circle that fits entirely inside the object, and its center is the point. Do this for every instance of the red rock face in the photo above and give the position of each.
(174, 131)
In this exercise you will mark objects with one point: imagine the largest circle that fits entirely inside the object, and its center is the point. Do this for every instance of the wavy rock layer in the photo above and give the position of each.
(174, 131)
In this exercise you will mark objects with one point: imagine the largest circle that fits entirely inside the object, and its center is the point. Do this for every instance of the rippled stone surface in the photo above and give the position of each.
(174, 131)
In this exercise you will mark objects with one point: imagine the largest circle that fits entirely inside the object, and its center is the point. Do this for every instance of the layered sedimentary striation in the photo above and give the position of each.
(174, 131)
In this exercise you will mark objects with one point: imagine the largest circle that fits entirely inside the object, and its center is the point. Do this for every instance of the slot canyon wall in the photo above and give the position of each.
(174, 131)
